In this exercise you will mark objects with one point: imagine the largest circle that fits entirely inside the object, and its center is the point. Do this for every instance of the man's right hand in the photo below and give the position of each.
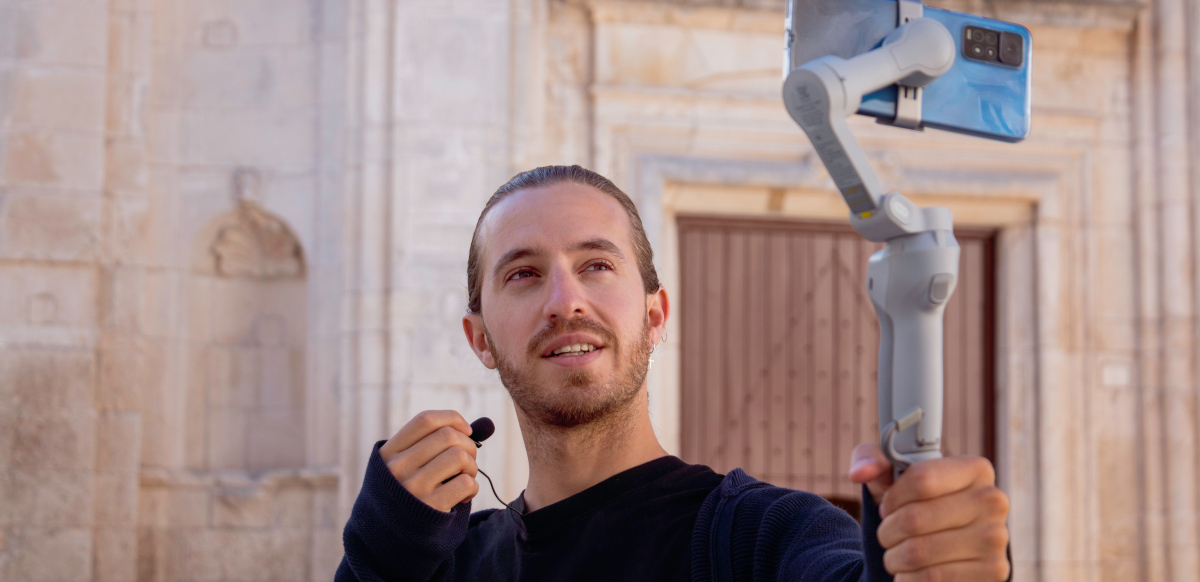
(434, 446)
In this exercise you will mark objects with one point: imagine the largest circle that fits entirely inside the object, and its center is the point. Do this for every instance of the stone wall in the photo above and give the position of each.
(233, 238)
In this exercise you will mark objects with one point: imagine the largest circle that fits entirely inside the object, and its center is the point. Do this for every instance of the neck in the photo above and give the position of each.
(565, 461)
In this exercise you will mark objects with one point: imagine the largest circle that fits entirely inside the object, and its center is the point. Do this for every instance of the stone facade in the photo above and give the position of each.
(233, 236)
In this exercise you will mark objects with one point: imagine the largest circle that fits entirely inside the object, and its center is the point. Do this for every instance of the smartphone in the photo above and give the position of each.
(986, 93)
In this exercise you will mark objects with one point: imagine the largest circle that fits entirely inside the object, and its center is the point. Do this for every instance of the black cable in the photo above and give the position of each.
(493, 486)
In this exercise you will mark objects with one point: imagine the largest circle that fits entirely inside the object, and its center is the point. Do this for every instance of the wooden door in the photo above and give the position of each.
(780, 347)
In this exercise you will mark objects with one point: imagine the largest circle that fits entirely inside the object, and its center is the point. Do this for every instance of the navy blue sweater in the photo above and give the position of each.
(742, 530)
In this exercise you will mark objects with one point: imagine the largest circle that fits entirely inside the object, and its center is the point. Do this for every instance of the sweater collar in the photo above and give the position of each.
(545, 521)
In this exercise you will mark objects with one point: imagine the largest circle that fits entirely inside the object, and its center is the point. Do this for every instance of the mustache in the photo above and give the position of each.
(584, 324)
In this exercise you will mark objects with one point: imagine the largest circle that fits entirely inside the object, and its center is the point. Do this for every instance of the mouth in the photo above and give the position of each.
(573, 350)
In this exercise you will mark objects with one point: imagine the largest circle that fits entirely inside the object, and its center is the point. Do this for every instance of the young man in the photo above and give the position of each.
(566, 305)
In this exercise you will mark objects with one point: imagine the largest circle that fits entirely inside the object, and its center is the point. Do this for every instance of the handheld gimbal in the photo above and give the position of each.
(913, 277)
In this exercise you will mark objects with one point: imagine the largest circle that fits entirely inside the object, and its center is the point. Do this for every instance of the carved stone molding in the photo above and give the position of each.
(258, 245)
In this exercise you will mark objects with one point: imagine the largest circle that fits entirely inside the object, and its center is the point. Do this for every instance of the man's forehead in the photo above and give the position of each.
(553, 218)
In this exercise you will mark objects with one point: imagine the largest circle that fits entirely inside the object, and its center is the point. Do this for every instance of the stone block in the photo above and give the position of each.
(456, 63)
(233, 376)
(18, 489)
(251, 78)
(225, 24)
(126, 364)
(276, 440)
(227, 440)
(126, 168)
(286, 141)
(118, 439)
(325, 510)
(63, 498)
(193, 555)
(326, 554)
(41, 382)
(282, 387)
(288, 559)
(293, 507)
(57, 34)
(63, 441)
(50, 226)
(116, 554)
(8, 420)
(248, 507)
(47, 158)
(116, 499)
(189, 507)
(59, 99)
(52, 554)
(244, 553)
(152, 507)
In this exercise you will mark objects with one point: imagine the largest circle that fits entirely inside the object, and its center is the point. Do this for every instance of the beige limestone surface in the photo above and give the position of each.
(233, 238)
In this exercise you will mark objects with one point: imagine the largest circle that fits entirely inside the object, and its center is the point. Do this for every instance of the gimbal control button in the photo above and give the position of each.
(940, 287)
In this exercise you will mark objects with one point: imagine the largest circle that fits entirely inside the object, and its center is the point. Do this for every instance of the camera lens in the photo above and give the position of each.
(991, 38)
(977, 50)
(1012, 49)
(977, 35)
(991, 53)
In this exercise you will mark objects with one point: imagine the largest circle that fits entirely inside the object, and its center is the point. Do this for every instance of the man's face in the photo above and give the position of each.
(565, 317)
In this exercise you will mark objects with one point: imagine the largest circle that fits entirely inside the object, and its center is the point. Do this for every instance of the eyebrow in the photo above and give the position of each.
(595, 244)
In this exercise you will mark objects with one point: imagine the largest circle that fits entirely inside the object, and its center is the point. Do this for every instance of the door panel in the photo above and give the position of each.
(780, 345)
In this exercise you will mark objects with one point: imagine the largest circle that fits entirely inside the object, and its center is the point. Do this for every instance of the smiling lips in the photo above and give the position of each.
(573, 350)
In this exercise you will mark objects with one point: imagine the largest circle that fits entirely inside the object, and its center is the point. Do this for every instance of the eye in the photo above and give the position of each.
(520, 274)
(600, 266)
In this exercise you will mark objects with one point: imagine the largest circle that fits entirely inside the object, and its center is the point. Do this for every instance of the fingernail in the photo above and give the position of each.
(860, 463)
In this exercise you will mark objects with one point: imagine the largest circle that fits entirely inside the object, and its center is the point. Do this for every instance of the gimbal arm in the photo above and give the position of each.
(911, 279)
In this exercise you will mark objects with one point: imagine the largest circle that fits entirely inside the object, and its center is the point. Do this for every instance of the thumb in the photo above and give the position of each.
(869, 466)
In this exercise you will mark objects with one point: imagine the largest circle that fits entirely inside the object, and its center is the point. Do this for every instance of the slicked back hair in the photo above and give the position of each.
(548, 176)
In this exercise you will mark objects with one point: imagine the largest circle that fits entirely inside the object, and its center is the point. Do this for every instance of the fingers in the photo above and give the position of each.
(935, 478)
(455, 464)
(421, 426)
(460, 489)
(869, 465)
(991, 571)
(981, 544)
(947, 512)
(407, 462)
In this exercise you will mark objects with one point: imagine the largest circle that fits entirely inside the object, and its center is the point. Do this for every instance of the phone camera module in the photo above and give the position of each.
(993, 46)
(1012, 49)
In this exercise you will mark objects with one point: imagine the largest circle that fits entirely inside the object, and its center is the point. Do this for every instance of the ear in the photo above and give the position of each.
(473, 327)
(658, 309)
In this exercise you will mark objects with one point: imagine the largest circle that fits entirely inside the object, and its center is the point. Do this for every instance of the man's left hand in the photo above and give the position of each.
(944, 519)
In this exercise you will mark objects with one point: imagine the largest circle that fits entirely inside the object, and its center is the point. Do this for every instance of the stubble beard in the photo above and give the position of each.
(579, 400)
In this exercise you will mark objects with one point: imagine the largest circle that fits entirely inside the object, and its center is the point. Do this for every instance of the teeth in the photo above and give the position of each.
(573, 349)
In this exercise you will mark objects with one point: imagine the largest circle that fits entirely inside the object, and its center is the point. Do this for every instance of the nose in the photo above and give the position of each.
(566, 298)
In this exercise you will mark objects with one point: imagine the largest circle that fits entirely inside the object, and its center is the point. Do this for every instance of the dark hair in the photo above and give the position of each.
(547, 176)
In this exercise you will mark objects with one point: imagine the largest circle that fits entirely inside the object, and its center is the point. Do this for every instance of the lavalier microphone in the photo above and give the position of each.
(481, 430)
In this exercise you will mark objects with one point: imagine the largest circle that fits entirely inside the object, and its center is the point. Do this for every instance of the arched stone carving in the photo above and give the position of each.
(256, 244)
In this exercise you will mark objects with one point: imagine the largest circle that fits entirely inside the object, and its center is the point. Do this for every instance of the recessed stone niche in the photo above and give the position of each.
(248, 295)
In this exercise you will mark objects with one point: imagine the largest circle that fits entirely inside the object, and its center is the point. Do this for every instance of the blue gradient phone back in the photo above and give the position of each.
(976, 98)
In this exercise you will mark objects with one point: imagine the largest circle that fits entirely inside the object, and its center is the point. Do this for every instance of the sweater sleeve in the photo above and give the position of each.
(392, 535)
(804, 537)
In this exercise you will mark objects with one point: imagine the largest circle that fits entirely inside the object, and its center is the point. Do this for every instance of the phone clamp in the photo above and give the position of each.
(909, 99)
